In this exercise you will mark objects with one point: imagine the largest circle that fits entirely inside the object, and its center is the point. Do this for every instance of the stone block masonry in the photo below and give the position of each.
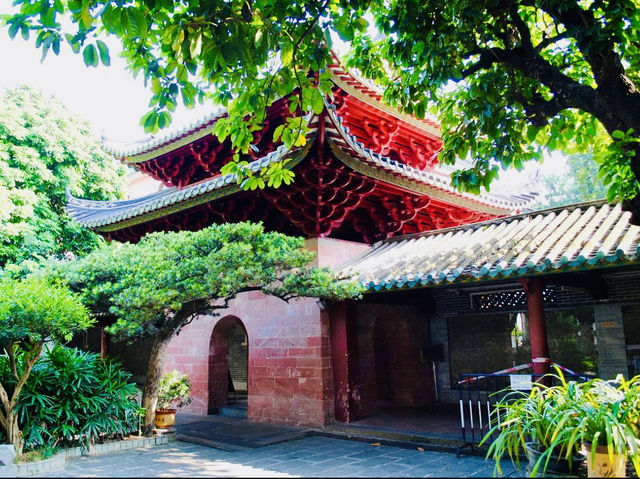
(289, 360)
(290, 375)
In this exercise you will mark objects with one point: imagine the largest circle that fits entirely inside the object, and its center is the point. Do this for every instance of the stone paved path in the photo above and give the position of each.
(308, 457)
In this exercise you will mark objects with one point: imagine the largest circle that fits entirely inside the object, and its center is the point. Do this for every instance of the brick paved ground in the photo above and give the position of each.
(312, 456)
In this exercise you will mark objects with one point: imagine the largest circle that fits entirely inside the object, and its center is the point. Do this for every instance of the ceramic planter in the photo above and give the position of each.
(602, 466)
(165, 418)
(556, 464)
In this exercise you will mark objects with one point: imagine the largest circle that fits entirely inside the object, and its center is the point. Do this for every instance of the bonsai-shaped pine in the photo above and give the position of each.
(160, 284)
(32, 311)
(173, 390)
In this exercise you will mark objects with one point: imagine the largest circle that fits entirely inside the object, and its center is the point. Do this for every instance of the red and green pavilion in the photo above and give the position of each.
(442, 268)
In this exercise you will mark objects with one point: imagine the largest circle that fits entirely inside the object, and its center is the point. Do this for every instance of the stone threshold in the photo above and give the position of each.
(391, 437)
(59, 460)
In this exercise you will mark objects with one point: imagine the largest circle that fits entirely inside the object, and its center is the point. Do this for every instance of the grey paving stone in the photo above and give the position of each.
(307, 457)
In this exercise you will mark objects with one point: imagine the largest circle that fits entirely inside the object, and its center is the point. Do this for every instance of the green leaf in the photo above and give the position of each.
(13, 29)
(277, 133)
(286, 54)
(196, 45)
(104, 53)
(90, 56)
(618, 135)
(317, 102)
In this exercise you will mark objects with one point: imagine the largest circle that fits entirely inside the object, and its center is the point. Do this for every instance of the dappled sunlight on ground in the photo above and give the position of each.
(315, 456)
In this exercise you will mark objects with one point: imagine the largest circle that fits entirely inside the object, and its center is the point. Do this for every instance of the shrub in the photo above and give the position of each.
(75, 397)
(173, 388)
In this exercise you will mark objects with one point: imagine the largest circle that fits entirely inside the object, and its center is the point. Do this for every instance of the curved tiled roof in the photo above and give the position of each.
(350, 81)
(102, 215)
(98, 214)
(187, 134)
(576, 237)
(367, 91)
(439, 183)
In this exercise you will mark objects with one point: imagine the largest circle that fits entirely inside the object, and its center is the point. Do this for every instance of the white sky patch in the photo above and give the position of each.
(108, 97)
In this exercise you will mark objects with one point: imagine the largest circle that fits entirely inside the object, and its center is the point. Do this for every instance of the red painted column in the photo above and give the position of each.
(537, 327)
(342, 357)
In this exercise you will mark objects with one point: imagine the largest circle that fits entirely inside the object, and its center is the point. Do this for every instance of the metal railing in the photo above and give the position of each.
(478, 394)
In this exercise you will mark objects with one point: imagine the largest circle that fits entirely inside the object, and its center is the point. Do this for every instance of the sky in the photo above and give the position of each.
(108, 97)
(113, 101)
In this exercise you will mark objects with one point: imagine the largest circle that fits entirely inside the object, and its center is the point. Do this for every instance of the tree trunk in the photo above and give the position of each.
(9, 420)
(154, 372)
(14, 436)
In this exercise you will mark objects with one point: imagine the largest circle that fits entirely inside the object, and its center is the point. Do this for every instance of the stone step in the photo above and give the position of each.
(225, 446)
(432, 442)
(239, 410)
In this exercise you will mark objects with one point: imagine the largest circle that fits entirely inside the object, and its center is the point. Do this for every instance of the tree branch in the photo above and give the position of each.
(12, 359)
(545, 42)
(30, 359)
(594, 43)
(522, 28)
(4, 398)
(567, 91)
(538, 109)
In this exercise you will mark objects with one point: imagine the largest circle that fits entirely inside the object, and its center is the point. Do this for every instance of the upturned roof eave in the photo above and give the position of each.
(367, 162)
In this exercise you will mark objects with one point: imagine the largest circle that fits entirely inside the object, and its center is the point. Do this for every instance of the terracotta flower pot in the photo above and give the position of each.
(165, 418)
(602, 466)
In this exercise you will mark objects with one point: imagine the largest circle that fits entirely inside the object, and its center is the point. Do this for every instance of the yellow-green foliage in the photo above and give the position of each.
(43, 150)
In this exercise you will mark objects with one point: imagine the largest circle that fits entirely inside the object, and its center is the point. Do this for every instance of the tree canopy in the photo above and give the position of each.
(43, 150)
(580, 183)
(157, 286)
(507, 78)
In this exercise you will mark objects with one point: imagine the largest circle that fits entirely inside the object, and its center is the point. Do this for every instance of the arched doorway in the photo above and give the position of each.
(228, 363)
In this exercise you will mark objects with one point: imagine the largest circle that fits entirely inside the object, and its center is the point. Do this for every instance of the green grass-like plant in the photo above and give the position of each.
(561, 418)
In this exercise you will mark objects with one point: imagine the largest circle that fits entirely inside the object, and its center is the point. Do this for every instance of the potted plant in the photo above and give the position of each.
(173, 390)
(608, 429)
(555, 423)
(527, 425)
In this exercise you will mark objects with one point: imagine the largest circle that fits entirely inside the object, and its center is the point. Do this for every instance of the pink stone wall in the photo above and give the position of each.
(334, 252)
(290, 372)
(290, 377)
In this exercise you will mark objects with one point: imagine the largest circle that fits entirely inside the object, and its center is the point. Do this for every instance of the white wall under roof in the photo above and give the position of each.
(139, 184)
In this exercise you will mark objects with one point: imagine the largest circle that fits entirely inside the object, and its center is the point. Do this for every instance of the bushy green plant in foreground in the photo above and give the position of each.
(32, 311)
(74, 397)
(174, 389)
(563, 417)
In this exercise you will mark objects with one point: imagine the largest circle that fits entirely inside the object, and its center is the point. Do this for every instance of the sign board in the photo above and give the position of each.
(608, 324)
(520, 382)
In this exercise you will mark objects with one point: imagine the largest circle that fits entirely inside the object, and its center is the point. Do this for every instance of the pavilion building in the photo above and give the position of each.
(448, 274)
